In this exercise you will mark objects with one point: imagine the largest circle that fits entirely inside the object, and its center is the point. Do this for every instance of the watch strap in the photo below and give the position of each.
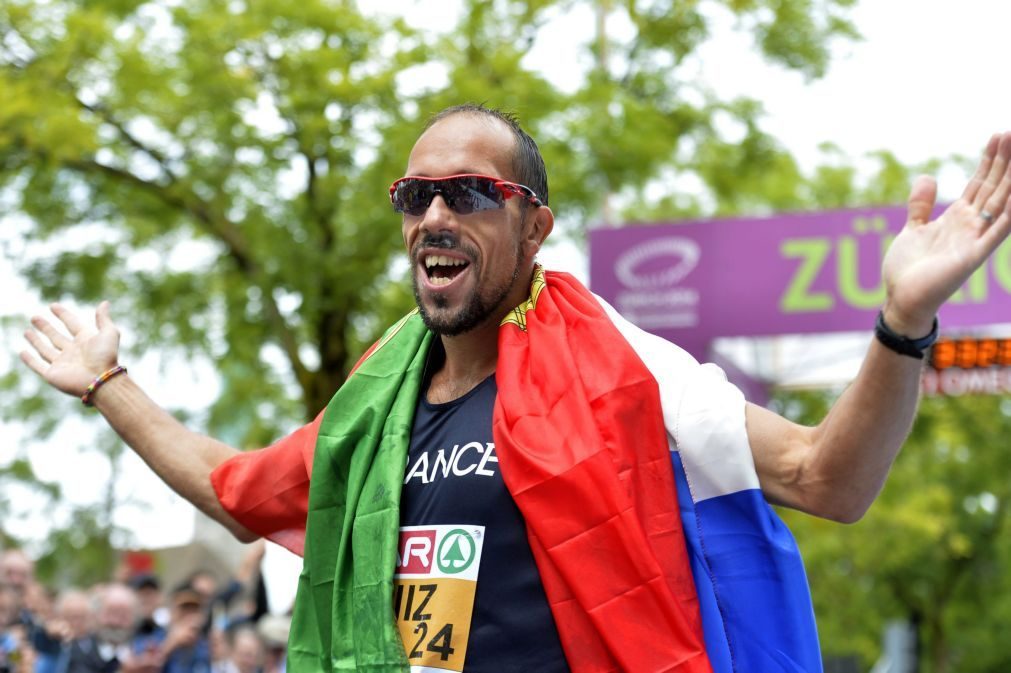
(903, 345)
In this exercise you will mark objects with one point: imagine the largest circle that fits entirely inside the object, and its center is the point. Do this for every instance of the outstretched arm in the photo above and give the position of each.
(837, 468)
(71, 361)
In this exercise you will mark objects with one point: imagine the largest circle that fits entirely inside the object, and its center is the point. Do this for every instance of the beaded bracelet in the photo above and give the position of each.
(99, 382)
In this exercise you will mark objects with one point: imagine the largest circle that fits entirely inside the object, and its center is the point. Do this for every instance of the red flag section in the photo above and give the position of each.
(583, 450)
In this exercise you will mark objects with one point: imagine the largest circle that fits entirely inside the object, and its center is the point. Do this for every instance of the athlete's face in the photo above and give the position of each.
(474, 268)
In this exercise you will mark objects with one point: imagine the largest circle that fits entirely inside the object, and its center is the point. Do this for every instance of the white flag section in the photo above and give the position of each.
(749, 577)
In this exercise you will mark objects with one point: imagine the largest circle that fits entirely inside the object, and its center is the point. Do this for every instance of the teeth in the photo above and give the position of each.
(442, 260)
(440, 281)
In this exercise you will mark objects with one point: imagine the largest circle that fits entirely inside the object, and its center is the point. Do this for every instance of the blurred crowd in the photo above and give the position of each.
(135, 625)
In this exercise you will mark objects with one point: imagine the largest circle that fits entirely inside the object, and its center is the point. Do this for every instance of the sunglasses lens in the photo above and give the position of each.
(464, 195)
(413, 196)
(472, 194)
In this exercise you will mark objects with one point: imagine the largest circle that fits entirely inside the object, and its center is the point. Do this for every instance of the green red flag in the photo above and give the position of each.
(582, 449)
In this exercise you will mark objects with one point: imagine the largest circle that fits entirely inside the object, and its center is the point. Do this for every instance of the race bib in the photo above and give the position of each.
(433, 596)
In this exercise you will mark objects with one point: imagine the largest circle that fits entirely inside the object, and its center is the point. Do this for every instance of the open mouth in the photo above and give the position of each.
(442, 270)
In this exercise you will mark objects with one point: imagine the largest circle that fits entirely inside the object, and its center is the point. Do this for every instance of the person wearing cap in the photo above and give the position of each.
(515, 478)
(273, 630)
(186, 648)
(152, 616)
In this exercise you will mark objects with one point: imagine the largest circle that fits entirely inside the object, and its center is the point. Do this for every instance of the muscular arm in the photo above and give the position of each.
(182, 458)
(837, 468)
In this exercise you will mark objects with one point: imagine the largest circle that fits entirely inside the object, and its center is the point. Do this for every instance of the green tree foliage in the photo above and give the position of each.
(87, 539)
(87, 535)
(933, 550)
(16, 479)
(218, 169)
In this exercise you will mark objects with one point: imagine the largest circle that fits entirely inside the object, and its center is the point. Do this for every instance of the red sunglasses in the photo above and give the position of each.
(464, 194)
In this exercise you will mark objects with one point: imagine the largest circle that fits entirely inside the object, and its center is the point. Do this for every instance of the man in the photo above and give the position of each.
(186, 648)
(223, 607)
(17, 572)
(523, 449)
(245, 651)
(71, 620)
(273, 631)
(152, 616)
(16, 652)
(73, 614)
(107, 648)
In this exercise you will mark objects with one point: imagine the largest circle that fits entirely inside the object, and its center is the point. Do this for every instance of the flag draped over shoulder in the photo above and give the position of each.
(749, 576)
(343, 617)
(630, 464)
(582, 448)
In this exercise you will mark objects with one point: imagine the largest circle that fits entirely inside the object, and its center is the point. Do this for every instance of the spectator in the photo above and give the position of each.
(17, 573)
(108, 647)
(221, 648)
(69, 621)
(38, 601)
(246, 652)
(223, 608)
(73, 618)
(273, 630)
(186, 647)
(16, 654)
(152, 615)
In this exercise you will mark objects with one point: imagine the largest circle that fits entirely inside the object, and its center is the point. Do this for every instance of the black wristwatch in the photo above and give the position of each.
(901, 344)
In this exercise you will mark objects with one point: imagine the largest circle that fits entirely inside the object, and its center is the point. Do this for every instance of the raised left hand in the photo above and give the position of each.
(929, 261)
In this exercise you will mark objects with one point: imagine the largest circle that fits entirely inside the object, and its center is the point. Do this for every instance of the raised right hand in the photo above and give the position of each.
(184, 633)
(71, 363)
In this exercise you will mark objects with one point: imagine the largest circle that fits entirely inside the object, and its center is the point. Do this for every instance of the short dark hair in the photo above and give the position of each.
(528, 164)
(144, 581)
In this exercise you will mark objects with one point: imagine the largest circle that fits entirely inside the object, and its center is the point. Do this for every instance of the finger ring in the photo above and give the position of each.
(987, 217)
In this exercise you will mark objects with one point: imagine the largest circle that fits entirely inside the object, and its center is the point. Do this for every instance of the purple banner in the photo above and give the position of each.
(788, 274)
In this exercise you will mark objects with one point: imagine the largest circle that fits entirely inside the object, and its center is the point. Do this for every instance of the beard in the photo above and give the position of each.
(113, 635)
(481, 304)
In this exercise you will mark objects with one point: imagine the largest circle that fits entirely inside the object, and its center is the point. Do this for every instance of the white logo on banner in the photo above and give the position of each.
(651, 298)
(683, 251)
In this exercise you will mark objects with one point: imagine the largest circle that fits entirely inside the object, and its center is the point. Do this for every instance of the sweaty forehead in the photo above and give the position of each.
(464, 143)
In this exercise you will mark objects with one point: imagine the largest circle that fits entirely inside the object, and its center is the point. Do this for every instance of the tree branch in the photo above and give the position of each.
(318, 214)
(106, 115)
(225, 231)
